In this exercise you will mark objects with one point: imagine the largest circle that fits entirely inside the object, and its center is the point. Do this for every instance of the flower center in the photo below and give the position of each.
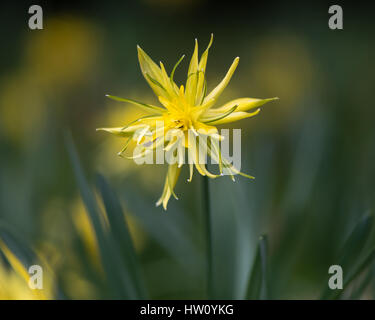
(184, 120)
(180, 115)
(183, 124)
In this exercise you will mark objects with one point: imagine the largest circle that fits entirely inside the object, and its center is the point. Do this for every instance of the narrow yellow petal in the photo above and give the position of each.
(168, 104)
(166, 81)
(144, 106)
(215, 93)
(164, 193)
(234, 170)
(243, 104)
(218, 116)
(235, 116)
(202, 73)
(204, 148)
(192, 77)
(153, 74)
(204, 107)
(170, 183)
(173, 173)
(191, 170)
(121, 132)
(195, 157)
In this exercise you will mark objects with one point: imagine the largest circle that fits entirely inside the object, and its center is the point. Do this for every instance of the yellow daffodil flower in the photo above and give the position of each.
(187, 114)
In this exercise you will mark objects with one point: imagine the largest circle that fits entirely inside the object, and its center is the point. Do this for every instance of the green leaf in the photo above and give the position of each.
(137, 120)
(257, 288)
(356, 241)
(360, 289)
(354, 273)
(120, 231)
(114, 267)
(351, 253)
(17, 245)
(174, 228)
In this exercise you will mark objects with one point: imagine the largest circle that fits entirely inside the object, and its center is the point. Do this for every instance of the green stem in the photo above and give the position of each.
(207, 213)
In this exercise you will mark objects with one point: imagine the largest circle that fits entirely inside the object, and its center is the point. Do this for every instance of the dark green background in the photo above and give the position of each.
(312, 152)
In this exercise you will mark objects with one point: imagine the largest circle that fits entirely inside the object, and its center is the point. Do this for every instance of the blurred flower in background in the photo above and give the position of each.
(54, 62)
(13, 287)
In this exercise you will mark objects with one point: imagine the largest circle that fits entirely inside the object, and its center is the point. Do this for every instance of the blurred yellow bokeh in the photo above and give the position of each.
(54, 61)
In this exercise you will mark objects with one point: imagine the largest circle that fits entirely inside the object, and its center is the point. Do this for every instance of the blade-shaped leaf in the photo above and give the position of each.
(176, 226)
(114, 267)
(21, 257)
(257, 288)
(356, 241)
(17, 246)
(351, 253)
(120, 231)
(361, 288)
(355, 272)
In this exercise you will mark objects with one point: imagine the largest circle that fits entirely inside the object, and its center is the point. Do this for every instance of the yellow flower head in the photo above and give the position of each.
(187, 118)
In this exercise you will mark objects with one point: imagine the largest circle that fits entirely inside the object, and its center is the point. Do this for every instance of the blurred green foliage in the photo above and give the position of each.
(312, 152)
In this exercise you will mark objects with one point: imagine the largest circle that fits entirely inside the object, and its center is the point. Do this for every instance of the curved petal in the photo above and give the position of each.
(219, 115)
(167, 82)
(173, 84)
(170, 183)
(158, 81)
(121, 132)
(235, 116)
(243, 104)
(215, 93)
(202, 73)
(144, 106)
(192, 77)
